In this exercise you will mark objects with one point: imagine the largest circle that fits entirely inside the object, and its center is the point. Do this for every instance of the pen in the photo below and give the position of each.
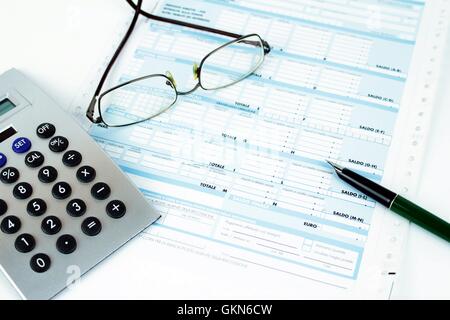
(394, 202)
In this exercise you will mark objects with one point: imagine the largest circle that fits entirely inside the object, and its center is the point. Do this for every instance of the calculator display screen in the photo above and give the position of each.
(5, 106)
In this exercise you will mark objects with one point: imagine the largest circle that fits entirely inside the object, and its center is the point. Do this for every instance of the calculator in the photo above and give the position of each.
(64, 205)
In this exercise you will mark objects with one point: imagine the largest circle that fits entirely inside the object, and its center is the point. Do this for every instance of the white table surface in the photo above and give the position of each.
(56, 42)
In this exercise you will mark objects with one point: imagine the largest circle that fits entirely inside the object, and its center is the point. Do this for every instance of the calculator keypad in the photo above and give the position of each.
(100, 191)
(51, 225)
(72, 158)
(10, 224)
(34, 159)
(66, 244)
(58, 144)
(3, 207)
(25, 243)
(22, 190)
(61, 190)
(9, 175)
(91, 226)
(40, 262)
(86, 174)
(48, 174)
(76, 208)
(36, 207)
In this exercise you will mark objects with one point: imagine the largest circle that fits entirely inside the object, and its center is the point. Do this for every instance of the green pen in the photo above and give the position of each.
(395, 202)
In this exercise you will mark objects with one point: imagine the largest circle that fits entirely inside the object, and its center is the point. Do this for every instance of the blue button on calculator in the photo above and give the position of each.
(21, 145)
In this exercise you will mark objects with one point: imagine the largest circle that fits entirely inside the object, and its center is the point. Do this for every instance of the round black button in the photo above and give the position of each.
(9, 175)
(25, 243)
(47, 174)
(58, 144)
(61, 190)
(10, 224)
(100, 191)
(34, 159)
(91, 226)
(51, 225)
(86, 174)
(36, 207)
(3, 207)
(45, 130)
(40, 263)
(72, 158)
(76, 208)
(66, 244)
(116, 209)
(22, 191)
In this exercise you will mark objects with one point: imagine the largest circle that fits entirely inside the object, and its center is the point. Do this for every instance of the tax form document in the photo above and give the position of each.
(250, 208)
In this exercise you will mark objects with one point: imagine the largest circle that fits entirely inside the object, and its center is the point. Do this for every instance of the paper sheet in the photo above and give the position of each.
(250, 209)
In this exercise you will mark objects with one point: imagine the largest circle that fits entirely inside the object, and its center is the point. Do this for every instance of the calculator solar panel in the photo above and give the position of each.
(64, 205)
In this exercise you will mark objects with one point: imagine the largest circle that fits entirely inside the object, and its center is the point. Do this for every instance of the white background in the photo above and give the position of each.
(57, 43)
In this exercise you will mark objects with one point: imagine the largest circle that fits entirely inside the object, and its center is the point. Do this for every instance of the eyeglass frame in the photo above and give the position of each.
(98, 94)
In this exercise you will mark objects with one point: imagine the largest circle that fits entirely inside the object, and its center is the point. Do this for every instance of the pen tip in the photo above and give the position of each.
(335, 165)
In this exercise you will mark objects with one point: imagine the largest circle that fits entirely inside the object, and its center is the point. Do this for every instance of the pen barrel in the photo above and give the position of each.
(422, 217)
(368, 187)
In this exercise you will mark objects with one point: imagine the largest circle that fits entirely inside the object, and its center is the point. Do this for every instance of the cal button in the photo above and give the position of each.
(21, 145)
(34, 159)
(45, 130)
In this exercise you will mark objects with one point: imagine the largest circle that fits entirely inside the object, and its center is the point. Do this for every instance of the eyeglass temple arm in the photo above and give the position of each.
(91, 109)
(194, 26)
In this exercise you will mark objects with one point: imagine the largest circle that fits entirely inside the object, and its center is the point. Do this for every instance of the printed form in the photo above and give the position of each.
(249, 206)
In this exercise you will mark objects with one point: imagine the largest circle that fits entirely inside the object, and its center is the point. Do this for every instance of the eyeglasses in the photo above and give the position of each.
(152, 95)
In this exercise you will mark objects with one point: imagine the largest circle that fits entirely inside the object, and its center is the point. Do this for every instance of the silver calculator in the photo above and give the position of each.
(64, 205)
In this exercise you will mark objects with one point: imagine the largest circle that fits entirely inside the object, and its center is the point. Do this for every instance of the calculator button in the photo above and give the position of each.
(9, 175)
(58, 144)
(61, 190)
(76, 208)
(25, 243)
(21, 145)
(51, 225)
(45, 130)
(66, 244)
(36, 207)
(40, 263)
(48, 174)
(3, 207)
(91, 226)
(3, 160)
(72, 158)
(11, 224)
(34, 159)
(22, 191)
(116, 209)
(86, 174)
(100, 191)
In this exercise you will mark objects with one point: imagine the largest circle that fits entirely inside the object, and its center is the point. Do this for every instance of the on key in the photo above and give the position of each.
(21, 145)
(58, 144)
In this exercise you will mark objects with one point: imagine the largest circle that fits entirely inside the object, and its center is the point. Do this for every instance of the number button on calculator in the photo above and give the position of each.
(47, 174)
(76, 208)
(36, 207)
(61, 190)
(22, 191)
(11, 225)
(3, 207)
(40, 262)
(51, 225)
(25, 243)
